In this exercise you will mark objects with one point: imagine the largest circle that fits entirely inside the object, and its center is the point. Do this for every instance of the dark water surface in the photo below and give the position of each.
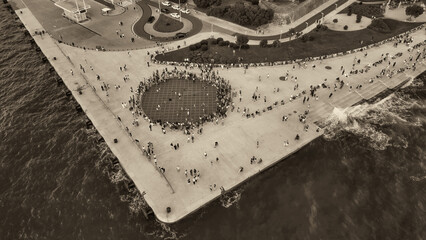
(365, 179)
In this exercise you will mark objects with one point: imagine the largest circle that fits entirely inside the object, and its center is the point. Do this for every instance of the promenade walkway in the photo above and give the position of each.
(237, 135)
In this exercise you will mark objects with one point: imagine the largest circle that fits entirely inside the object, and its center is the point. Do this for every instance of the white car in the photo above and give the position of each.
(175, 7)
(185, 11)
(166, 3)
(175, 15)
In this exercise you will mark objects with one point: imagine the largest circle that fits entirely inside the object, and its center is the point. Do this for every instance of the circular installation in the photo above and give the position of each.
(181, 99)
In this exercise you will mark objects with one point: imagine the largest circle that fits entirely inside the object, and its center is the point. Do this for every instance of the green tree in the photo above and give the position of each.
(358, 18)
(292, 31)
(263, 43)
(242, 39)
(414, 10)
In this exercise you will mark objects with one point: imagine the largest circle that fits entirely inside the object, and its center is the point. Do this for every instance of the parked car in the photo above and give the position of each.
(175, 15)
(165, 10)
(166, 3)
(185, 11)
(176, 7)
(180, 35)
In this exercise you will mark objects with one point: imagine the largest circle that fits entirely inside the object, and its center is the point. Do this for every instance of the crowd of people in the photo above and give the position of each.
(387, 63)
(245, 65)
(223, 94)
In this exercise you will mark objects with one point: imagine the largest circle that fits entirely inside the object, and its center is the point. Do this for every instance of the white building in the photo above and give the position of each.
(74, 10)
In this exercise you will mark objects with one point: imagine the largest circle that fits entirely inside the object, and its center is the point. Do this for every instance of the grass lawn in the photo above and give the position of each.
(366, 10)
(167, 24)
(324, 43)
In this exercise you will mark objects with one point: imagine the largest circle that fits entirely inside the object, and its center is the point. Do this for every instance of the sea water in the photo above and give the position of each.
(364, 179)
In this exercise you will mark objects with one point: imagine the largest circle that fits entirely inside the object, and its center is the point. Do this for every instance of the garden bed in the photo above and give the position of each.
(365, 10)
(167, 24)
(322, 43)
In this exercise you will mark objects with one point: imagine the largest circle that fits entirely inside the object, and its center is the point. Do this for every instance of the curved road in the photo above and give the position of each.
(139, 25)
(198, 24)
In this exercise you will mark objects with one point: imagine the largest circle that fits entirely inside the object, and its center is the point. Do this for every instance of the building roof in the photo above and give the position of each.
(71, 6)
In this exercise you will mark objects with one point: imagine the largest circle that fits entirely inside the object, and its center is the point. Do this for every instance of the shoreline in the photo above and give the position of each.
(125, 150)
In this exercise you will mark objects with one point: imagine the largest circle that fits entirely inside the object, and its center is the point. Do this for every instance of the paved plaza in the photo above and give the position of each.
(269, 119)
(179, 101)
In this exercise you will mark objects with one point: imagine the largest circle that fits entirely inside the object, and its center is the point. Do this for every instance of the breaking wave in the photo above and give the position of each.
(230, 198)
(377, 124)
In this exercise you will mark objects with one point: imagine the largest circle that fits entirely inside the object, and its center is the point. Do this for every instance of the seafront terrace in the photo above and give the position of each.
(236, 134)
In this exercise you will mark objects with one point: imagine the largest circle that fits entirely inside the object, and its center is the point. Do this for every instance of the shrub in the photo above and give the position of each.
(349, 10)
(379, 25)
(177, 1)
(242, 14)
(234, 45)
(358, 18)
(318, 27)
(204, 42)
(151, 19)
(414, 10)
(276, 43)
(219, 40)
(204, 47)
(304, 38)
(207, 3)
(245, 46)
(366, 10)
(198, 45)
(242, 39)
(213, 41)
(221, 43)
(335, 20)
(263, 43)
(345, 27)
(321, 27)
(192, 47)
(226, 43)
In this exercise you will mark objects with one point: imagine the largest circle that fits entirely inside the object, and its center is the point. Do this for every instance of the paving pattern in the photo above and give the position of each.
(179, 100)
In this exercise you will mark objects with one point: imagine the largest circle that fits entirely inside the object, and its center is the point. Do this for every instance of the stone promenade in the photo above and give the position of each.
(237, 135)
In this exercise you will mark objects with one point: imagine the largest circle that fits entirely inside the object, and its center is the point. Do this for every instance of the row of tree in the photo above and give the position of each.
(207, 3)
(241, 14)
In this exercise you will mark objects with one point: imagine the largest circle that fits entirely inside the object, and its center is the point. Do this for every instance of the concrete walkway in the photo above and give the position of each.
(236, 134)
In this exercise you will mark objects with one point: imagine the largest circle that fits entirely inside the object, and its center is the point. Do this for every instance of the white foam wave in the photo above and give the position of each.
(231, 198)
(369, 121)
(417, 179)
(118, 176)
(164, 231)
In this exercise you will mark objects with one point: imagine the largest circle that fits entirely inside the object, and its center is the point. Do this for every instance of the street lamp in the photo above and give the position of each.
(322, 17)
(336, 5)
(159, 6)
(281, 34)
(307, 24)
